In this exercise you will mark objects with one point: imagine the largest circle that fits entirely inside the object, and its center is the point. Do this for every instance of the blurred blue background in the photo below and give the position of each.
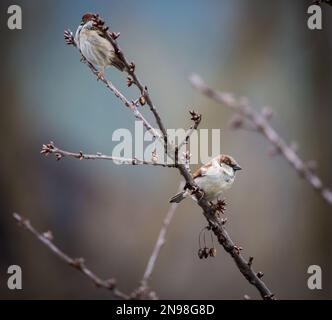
(111, 215)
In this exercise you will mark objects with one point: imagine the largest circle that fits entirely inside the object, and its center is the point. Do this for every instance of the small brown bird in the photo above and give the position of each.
(213, 178)
(93, 45)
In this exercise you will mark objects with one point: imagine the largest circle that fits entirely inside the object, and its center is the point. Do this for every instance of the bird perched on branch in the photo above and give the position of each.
(212, 178)
(95, 47)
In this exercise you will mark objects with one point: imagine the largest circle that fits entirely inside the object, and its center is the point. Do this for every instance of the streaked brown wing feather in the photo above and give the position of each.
(202, 170)
(197, 173)
(102, 34)
(116, 62)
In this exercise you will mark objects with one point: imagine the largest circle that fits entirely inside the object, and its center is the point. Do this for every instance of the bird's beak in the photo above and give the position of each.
(237, 167)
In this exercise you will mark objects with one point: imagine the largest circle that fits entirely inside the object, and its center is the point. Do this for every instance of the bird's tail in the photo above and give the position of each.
(179, 197)
(119, 64)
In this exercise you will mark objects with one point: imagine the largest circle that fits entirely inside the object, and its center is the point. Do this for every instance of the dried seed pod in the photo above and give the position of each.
(238, 249)
(48, 235)
(129, 82)
(154, 156)
(195, 116)
(142, 101)
(111, 283)
(206, 252)
(223, 221)
(186, 155)
(201, 253)
(132, 67)
(115, 35)
(58, 156)
(213, 252)
(77, 263)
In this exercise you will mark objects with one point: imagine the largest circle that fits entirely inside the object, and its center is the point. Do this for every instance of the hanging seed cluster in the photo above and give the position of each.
(205, 252)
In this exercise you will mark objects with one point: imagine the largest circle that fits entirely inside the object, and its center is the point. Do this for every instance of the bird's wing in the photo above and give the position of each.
(116, 61)
(100, 33)
(202, 170)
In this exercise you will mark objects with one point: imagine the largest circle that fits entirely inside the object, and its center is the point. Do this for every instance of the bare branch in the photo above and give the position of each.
(160, 241)
(131, 105)
(76, 263)
(197, 118)
(50, 148)
(261, 122)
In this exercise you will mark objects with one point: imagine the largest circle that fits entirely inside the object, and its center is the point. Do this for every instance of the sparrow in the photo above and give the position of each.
(212, 178)
(94, 47)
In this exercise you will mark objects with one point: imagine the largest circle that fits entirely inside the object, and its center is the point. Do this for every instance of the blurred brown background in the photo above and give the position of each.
(111, 215)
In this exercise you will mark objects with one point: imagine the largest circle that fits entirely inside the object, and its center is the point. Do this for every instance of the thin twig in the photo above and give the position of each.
(261, 123)
(50, 148)
(160, 241)
(131, 105)
(76, 263)
(197, 118)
